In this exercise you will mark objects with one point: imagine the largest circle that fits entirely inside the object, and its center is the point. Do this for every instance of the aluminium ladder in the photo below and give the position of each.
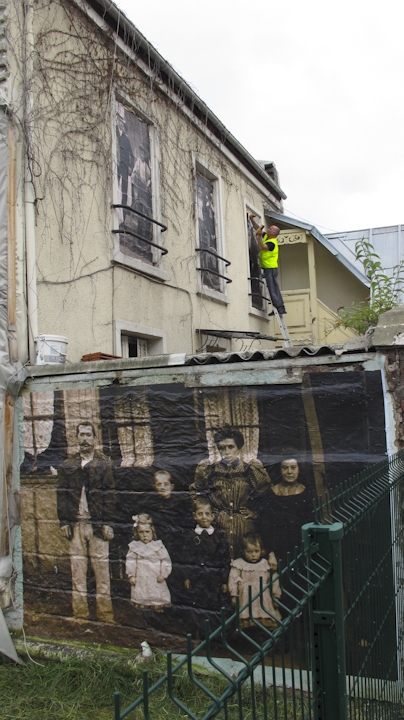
(287, 342)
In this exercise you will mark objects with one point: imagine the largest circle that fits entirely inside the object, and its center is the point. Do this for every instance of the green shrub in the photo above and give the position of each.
(385, 291)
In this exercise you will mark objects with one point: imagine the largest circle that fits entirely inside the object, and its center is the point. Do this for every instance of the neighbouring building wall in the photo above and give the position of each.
(88, 289)
(159, 456)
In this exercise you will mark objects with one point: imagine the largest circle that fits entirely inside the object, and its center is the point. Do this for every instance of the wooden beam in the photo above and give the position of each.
(313, 288)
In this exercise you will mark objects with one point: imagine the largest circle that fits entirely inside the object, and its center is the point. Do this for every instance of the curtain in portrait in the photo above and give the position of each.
(81, 405)
(132, 416)
(38, 409)
(236, 407)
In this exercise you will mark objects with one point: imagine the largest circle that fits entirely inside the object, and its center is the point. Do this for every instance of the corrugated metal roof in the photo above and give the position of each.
(257, 355)
(353, 345)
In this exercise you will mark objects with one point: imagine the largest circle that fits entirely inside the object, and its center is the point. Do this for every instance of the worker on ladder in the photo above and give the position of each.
(268, 255)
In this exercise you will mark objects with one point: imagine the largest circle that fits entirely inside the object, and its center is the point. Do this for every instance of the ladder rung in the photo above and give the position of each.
(287, 342)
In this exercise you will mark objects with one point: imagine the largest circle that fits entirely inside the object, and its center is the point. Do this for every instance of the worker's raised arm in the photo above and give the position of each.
(259, 229)
(254, 222)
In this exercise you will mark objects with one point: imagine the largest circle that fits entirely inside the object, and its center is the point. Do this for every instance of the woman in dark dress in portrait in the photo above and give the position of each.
(233, 488)
(287, 505)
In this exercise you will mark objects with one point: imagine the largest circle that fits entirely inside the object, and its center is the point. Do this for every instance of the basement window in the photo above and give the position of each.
(134, 340)
(133, 346)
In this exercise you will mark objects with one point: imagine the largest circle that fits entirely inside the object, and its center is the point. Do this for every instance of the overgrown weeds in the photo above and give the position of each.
(68, 691)
(385, 291)
(77, 689)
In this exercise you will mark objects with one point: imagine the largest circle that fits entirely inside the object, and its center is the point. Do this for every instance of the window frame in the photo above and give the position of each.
(201, 168)
(249, 207)
(117, 255)
(156, 338)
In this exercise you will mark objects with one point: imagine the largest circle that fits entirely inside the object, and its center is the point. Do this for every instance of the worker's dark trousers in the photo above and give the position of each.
(271, 276)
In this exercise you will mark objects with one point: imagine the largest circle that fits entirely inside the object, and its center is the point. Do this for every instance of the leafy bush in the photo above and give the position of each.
(385, 291)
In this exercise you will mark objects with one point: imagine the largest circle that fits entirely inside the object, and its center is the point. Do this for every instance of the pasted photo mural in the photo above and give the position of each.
(134, 183)
(150, 508)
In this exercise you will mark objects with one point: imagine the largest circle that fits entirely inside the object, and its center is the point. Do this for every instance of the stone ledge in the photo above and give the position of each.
(389, 330)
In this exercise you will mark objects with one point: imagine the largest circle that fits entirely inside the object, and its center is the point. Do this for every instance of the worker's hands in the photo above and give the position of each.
(66, 532)
(107, 532)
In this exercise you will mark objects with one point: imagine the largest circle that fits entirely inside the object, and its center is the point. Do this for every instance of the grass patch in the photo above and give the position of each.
(70, 690)
(77, 689)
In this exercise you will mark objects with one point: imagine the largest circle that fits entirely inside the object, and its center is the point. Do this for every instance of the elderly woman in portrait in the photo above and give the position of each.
(287, 505)
(289, 484)
(231, 485)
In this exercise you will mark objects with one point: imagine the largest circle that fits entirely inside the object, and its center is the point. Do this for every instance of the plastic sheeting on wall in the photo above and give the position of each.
(145, 524)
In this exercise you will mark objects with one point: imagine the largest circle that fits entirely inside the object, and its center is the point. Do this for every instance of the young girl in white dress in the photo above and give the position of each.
(247, 571)
(148, 565)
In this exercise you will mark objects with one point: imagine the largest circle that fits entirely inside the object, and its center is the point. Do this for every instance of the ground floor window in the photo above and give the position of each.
(133, 346)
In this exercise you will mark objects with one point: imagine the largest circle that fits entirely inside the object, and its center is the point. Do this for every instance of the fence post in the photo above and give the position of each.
(327, 623)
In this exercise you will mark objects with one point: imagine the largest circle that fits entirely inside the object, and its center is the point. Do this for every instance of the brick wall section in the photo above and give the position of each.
(395, 382)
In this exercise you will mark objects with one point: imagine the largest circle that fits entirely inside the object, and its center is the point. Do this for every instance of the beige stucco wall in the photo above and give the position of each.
(336, 286)
(82, 294)
(294, 267)
(312, 282)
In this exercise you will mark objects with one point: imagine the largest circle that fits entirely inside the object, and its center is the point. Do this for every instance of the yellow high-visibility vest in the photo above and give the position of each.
(269, 258)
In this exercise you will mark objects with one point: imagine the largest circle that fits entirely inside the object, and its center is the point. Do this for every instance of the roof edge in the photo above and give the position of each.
(121, 24)
(321, 239)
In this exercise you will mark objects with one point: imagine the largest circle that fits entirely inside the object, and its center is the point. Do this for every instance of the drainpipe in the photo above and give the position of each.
(12, 249)
(12, 376)
(30, 216)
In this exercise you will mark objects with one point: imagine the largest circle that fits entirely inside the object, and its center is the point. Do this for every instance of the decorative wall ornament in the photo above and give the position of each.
(292, 238)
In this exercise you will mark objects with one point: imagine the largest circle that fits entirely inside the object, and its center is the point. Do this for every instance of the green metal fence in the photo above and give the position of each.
(370, 510)
(337, 651)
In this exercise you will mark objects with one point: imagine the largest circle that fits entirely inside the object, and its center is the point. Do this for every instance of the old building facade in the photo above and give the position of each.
(98, 120)
(124, 227)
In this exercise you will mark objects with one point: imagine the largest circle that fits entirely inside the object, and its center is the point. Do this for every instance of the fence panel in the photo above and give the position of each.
(248, 668)
(370, 506)
(327, 643)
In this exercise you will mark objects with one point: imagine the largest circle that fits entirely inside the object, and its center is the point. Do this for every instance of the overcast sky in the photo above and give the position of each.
(315, 86)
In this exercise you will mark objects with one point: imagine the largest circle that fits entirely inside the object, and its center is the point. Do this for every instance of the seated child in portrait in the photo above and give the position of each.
(148, 565)
(247, 571)
(207, 561)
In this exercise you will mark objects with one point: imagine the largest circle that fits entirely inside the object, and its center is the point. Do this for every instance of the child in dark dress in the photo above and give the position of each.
(208, 560)
(171, 512)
